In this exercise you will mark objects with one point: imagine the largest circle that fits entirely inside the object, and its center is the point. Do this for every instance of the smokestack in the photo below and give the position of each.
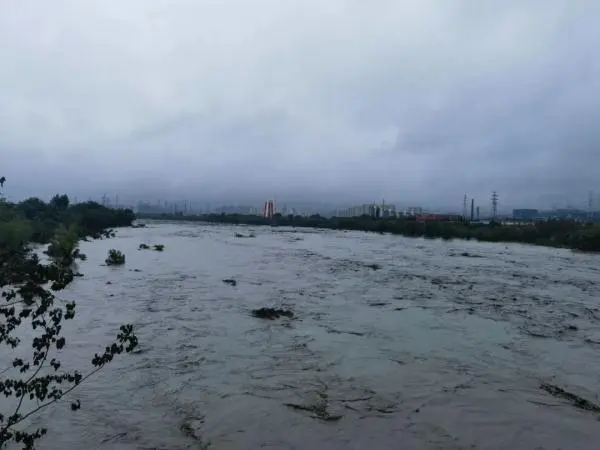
(477, 211)
(472, 209)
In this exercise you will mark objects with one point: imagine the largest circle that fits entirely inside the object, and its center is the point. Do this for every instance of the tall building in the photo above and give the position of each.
(269, 210)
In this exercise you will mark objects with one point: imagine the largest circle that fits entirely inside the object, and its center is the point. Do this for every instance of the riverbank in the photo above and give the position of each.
(31, 311)
(553, 233)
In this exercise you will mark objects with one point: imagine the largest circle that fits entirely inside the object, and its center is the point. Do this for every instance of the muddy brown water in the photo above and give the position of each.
(396, 344)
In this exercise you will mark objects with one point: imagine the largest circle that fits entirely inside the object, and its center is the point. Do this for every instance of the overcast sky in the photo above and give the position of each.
(340, 100)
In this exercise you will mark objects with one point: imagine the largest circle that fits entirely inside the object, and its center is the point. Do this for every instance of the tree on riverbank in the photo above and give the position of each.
(35, 379)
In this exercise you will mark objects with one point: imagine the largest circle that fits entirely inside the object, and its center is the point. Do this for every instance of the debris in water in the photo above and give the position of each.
(189, 429)
(240, 235)
(156, 247)
(334, 331)
(272, 313)
(470, 255)
(230, 282)
(575, 400)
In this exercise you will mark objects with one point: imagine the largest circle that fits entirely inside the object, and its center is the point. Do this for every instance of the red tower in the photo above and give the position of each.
(269, 209)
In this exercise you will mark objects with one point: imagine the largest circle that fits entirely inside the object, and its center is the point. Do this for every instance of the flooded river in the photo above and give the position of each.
(396, 343)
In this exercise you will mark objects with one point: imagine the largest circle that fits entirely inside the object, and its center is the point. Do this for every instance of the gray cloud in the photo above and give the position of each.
(416, 101)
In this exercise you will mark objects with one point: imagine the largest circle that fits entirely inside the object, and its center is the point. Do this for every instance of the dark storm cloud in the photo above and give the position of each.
(407, 100)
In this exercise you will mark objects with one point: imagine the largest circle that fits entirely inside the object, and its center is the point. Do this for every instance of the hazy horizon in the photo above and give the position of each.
(338, 102)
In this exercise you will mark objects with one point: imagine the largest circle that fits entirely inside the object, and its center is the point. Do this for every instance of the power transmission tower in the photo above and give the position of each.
(494, 204)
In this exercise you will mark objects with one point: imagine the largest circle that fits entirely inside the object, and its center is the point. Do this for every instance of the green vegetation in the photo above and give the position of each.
(552, 233)
(43, 219)
(115, 258)
(30, 308)
(63, 247)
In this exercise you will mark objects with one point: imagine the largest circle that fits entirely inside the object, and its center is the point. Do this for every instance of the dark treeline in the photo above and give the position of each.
(552, 233)
(38, 221)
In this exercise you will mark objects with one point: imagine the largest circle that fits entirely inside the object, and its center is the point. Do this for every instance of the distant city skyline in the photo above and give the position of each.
(583, 202)
(312, 206)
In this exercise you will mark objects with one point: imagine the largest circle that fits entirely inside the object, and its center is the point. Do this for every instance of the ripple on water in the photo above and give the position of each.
(419, 343)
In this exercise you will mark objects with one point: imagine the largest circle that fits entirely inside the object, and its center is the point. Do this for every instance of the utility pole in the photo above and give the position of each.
(494, 204)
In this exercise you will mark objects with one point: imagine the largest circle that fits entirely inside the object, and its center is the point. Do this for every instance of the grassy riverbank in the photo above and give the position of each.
(554, 233)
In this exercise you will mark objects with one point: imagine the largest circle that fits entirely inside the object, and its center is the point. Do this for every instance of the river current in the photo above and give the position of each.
(396, 343)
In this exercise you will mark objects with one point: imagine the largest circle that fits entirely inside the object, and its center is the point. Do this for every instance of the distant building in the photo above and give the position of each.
(569, 214)
(373, 210)
(526, 214)
(413, 211)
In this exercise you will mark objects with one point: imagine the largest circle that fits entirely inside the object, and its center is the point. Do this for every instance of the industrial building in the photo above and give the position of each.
(526, 214)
